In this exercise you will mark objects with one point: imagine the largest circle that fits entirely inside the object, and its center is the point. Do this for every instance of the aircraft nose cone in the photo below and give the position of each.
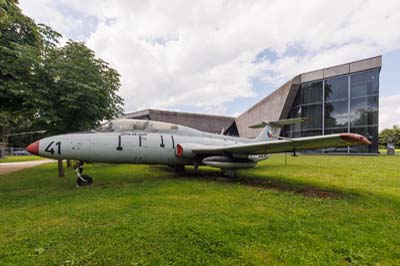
(33, 147)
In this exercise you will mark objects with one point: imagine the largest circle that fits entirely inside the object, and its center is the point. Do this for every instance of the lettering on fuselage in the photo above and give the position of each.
(50, 148)
(133, 134)
(142, 137)
(162, 145)
(119, 148)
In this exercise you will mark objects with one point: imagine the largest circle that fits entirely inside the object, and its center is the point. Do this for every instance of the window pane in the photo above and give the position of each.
(313, 113)
(296, 134)
(336, 89)
(364, 111)
(336, 114)
(285, 131)
(296, 112)
(364, 84)
(330, 131)
(358, 112)
(311, 92)
(372, 110)
(336, 149)
(297, 100)
(310, 133)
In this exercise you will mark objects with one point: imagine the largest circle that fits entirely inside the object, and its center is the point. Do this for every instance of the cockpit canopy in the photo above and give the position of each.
(133, 125)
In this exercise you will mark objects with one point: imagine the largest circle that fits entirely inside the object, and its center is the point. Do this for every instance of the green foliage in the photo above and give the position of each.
(46, 86)
(18, 34)
(391, 135)
(317, 210)
(83, 90)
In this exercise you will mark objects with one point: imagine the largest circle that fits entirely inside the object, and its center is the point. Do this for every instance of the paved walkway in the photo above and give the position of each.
(6, 168)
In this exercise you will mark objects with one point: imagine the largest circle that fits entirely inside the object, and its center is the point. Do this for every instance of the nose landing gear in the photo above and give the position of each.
(83, 180)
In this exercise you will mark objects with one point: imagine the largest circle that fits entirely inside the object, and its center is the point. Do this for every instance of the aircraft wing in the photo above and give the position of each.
(276, 146)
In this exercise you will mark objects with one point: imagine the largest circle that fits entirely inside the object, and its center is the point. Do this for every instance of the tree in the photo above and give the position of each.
(82, 90)
(46, 86)
(74, 90)
(18, 34)
(391, 135)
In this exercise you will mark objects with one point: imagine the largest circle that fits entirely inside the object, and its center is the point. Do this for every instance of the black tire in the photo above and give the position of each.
(88, 181)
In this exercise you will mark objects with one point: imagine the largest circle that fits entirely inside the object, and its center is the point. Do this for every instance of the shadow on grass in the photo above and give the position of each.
(299, 188)
(27, 187)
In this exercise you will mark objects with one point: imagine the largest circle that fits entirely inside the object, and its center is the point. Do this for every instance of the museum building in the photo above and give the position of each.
(343, 98)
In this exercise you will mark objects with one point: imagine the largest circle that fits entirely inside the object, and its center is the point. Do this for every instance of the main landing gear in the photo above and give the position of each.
(83, 180)
(179, 169)
(228, 172)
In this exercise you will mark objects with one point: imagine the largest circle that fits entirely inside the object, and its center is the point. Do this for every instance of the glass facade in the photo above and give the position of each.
(340, 104)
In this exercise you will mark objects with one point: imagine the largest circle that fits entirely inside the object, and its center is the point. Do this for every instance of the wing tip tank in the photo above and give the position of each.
(355, 138)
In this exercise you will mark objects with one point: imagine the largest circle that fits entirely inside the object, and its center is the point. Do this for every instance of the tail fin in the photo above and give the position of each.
(271, 129)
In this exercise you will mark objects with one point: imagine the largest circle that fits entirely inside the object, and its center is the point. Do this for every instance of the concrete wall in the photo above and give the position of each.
(357, 66)
(270, 108)
(374, 62)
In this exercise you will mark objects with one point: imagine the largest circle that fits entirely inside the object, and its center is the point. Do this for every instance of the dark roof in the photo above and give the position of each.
(203, 122)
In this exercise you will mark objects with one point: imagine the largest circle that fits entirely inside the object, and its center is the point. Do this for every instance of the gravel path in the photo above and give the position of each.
(6, 168)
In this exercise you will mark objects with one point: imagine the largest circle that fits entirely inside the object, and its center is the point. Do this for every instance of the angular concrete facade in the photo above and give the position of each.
(282, 103)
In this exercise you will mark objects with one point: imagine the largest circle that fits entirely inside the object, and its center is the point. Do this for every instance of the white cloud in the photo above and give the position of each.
(201, 53)
(389, 111)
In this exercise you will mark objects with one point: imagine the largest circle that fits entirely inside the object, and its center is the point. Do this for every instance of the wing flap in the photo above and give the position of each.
(276, 146)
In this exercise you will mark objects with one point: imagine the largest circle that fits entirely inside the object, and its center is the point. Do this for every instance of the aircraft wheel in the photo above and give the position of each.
(87, 181)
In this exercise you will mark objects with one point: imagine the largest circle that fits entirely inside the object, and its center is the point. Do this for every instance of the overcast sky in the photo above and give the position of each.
(221, 57)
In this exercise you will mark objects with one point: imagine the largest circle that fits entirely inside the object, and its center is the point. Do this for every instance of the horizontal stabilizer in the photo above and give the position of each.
(279, 123)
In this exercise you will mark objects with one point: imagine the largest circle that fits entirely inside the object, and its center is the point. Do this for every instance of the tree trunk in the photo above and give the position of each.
(5, 133)
(68, 163)
(60, 168)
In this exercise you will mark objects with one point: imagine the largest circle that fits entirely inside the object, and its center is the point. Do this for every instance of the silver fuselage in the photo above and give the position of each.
(132, 147)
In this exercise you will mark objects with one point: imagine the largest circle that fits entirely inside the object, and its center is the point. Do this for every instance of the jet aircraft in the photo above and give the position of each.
(151, 142)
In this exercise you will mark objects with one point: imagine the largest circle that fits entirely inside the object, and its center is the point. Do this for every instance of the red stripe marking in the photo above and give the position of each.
(179, 150)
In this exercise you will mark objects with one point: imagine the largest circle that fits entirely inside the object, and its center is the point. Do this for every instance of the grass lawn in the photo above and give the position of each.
(332, 210)
(11, 159)
(383, 151)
